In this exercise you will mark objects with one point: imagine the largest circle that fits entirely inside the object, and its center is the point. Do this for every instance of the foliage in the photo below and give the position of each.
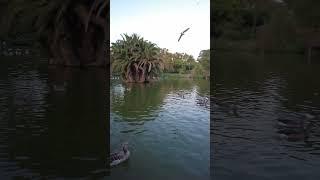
(202, 68)
(63, 26)
(177, 62)
(273, 25)
(238, 19)
(306, 12)
(43, 15)
(135, 58)
(204, 59)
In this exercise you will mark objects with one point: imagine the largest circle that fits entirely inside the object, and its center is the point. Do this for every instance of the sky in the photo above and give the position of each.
(162, 21)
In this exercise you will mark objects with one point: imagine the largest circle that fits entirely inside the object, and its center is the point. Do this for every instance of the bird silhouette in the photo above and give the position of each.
(183, 33)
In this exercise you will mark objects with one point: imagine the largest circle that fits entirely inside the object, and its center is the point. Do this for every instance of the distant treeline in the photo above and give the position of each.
(265, 24)
(181, 63)
(139, 60)
(185, 64)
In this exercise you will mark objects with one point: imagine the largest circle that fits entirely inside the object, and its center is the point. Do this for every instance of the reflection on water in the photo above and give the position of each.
(52, 121)
(167, 126)
(266, 118)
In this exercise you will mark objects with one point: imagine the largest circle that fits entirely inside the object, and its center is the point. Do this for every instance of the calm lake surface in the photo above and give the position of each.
(52, 121)
(53, 124)
(266, 122)
(167, 126)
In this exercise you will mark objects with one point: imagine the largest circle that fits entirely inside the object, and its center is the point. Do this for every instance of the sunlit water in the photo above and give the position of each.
(266, 122)
(166, 124)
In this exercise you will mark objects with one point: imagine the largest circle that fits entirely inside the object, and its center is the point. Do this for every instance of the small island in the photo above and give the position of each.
(137, 60)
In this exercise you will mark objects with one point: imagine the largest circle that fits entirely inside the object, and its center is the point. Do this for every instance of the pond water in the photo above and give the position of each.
(52, 121)
(53, 124)
(266, 117)
(166, 124)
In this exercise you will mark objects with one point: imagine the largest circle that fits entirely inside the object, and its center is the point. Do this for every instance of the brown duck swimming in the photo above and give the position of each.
(120, 156)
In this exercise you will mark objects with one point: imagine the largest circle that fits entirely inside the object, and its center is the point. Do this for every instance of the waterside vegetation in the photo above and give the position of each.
(138, 60)
(266, 25)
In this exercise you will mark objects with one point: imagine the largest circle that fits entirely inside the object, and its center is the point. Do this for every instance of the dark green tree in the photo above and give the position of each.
(73, 32)
(306, 12)
(136, 59)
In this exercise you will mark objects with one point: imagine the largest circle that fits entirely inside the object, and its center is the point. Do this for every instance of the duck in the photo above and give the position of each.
(120, 156)
(203, 102)
(180, 94)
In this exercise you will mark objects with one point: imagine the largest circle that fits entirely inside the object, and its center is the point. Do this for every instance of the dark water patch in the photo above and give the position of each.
(266, 117)
(40, 130)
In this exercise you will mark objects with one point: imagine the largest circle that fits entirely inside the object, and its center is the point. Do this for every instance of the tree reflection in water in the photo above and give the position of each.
(68, 134)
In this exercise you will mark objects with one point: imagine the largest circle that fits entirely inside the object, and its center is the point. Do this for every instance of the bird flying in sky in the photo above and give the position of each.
(183, 33)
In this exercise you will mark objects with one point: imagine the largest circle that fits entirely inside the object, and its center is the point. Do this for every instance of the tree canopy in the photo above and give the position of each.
(135, 58)
(72, 31)
(266, 24)
(306, 12)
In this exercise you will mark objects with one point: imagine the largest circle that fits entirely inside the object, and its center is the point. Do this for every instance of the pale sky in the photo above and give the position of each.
(162, 21)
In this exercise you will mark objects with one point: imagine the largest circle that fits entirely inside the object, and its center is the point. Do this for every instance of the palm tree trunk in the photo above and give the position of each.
(142, 75)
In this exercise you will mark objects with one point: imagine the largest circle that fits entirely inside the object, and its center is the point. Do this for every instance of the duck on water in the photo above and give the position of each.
(120, 156)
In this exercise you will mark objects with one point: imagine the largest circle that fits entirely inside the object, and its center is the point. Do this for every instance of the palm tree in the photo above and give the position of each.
(137, 59)
(73, 31)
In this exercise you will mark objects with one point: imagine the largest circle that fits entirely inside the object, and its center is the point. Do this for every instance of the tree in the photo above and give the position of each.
(203, 66)
(137, 59)
(306, 12)
(238, 19)
(204, 59)
(177, 62)
(168, 60)
(73, 31)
